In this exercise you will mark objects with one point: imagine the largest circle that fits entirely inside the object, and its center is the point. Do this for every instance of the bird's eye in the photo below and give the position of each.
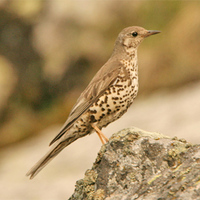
(134, 34)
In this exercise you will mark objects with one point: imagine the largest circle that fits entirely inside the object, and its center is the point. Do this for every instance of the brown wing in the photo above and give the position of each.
(103, 79)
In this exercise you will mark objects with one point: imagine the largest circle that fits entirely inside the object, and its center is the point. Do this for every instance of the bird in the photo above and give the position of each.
(106, 98)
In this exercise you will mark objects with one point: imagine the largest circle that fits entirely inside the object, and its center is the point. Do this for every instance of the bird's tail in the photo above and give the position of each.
(52, 153)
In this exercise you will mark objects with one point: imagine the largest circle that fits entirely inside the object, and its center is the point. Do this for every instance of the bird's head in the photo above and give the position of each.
(131, 37)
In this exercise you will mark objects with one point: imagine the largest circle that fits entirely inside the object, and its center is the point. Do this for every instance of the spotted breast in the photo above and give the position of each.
(118, 97)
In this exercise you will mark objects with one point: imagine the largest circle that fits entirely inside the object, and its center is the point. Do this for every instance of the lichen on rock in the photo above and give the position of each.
(136, 164)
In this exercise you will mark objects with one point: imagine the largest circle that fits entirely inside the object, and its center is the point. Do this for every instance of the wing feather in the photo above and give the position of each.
(103, 79)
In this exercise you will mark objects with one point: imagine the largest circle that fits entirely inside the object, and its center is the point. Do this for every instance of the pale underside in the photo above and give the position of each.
(106, 98)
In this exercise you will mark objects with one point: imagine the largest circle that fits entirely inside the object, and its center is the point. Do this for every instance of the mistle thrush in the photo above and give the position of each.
(105, 99)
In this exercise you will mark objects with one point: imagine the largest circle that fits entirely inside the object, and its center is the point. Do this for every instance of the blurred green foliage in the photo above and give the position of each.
(49, 51)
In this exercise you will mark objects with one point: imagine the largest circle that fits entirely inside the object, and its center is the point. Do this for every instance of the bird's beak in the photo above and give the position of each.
(151, 32)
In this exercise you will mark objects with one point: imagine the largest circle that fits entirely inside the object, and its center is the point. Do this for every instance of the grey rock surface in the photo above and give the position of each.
(141, 165)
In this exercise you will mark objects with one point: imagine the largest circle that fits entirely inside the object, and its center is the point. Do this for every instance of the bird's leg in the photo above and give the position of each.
(100, 134)
(103, 142)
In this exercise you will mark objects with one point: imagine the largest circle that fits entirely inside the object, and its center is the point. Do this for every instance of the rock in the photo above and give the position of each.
(141, 165)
